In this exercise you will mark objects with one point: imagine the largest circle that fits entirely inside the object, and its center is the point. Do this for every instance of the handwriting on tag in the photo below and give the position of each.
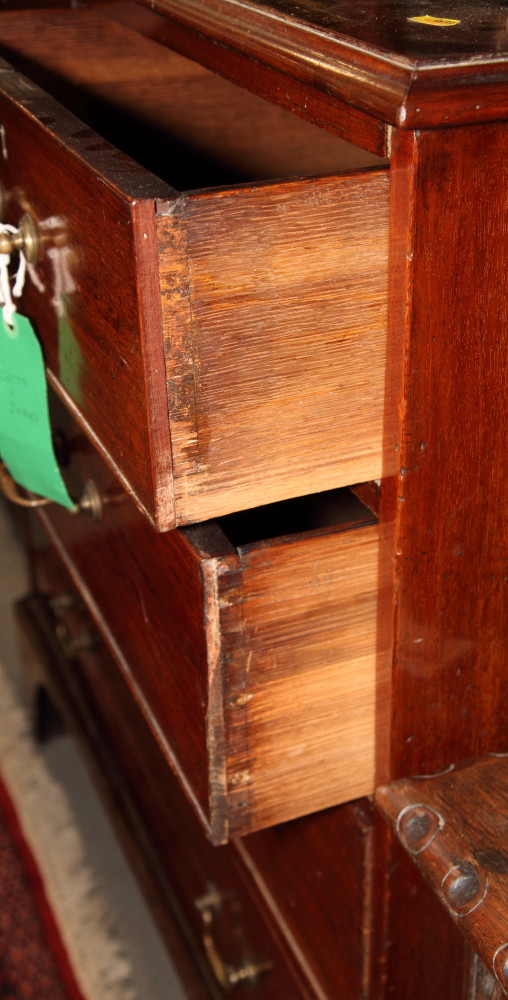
(25, 433)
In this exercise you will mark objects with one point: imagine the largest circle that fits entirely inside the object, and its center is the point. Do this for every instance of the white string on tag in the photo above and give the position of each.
(5, 288)
(63, 281)
(8, 306)
(32, 274)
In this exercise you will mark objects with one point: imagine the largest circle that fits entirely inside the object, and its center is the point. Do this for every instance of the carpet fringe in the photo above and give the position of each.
(86, 924)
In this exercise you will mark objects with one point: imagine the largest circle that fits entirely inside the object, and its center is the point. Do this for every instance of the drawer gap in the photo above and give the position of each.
(317, 512)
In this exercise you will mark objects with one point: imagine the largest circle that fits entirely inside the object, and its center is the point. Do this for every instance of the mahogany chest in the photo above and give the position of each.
(268, 280)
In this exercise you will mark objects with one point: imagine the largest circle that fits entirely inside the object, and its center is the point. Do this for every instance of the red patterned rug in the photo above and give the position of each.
(33, 960)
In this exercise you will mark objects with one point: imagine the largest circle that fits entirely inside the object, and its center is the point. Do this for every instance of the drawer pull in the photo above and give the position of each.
(25, 238)
(11, 490)
(90, 503)
(73, 644)
(61, 603)
(227, 976)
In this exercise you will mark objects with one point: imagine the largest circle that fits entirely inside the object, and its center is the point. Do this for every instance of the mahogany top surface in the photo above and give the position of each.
(370, 53)
(386, 26)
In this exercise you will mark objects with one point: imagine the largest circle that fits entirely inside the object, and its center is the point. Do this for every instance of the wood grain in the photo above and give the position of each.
(451, 638)
(287, 881)
(146, 593)
(309, 670)
(441, 516)
(442, 543)
(317, 878)
(276, 362)
(115, 71)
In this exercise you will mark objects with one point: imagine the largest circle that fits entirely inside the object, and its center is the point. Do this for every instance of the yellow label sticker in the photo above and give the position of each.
(443, 22)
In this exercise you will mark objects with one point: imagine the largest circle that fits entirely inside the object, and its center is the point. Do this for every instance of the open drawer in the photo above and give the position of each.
(254, 655)
(225, 347)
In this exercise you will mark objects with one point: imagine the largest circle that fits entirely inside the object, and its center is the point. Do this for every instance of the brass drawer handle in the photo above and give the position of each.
(11, 490)
(73, 644)
(90, 503)
(227, 976)
(24, 238)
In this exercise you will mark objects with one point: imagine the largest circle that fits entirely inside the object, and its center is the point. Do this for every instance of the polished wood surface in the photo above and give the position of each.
(441, 517)
(314, 106)
(371, 54)
(391, 27)
(105, 67)
(99, 325)
(454, 827)
(444, 510)
(317, 876)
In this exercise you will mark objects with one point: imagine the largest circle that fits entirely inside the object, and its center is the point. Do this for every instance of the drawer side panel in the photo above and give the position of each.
(283, 353)
(310, 638)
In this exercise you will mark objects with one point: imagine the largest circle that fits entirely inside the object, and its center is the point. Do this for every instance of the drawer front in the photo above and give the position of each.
(223, 348)
(233, 937)
(317, 878)
(93, 293)
(257, 665)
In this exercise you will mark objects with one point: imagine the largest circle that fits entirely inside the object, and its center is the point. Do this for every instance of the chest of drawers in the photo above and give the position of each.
(274, 332)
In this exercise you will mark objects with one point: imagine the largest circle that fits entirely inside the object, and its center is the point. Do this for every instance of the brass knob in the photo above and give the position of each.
(90, 503)
(25, 238)
(227, 976)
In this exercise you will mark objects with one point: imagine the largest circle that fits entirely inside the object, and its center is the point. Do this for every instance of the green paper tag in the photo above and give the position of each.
(25, 434)
(69, 354)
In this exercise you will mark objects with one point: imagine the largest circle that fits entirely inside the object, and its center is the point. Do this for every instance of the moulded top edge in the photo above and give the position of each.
(371, 54)
(401, 31)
